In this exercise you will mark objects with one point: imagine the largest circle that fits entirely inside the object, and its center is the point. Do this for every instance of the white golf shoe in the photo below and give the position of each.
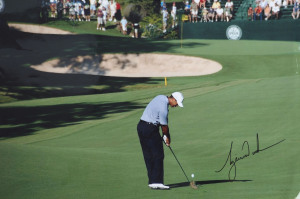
(158, 186)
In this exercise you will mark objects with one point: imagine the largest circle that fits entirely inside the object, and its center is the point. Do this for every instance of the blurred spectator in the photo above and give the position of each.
(271, 4)
(289, 2)
(118, 11)
(263, 4)
(194, 10)
(276, 10)
(67, 5)
(100, 20)
(60, 8)
(258, 13)
(93, 7)
(105, 4)
(104, 10)
(72, 12)
(81, 12)
(219, 13)
(187, 10)
(279, 2)
(44, 10)
(204, 15)
(87, 11)
(211, 14)
(76, 8)
(229, 4)
(267, 12)
(113, 9)
(162, 5)
(124, 25)
(136, 28)
(53, 8)
(250, 13)
(216, 5)
(227, 13)
(296, 12)
(257, 2)
(202, 3)
(285, 3)
(162, 2)
(173, 14)
(165, 15)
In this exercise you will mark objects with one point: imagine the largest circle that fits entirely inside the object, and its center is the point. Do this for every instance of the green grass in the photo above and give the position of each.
(83, 27)
(87, 146)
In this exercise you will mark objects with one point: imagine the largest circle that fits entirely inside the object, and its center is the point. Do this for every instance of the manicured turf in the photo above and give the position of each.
(87, 146)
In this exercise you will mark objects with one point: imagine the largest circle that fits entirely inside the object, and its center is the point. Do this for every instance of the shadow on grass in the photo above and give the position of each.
(19, 81)
(21, 121)
(186, 184)
(71, 85)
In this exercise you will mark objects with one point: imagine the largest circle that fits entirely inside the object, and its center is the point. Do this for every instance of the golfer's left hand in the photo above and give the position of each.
(166, 140)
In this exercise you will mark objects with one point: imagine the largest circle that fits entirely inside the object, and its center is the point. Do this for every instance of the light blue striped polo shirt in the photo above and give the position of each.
(157, 111)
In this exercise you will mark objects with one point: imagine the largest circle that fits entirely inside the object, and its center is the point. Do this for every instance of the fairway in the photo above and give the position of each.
(74, 136)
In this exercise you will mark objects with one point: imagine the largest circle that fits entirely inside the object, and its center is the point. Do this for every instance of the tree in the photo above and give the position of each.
(150, 6)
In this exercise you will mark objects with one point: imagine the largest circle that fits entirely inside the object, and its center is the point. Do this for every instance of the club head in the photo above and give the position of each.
(193, 185)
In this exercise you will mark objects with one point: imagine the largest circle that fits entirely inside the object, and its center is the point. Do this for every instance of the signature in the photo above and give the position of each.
(246, 149)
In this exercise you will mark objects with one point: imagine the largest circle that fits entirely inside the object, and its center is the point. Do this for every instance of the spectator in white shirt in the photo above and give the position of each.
(93, 7)
(124, 25)
(219, 13)
(263, 4)
(229, 4)
(276, 10)
(173, 14)
(272, 4)
(165, 19)
(279, 2)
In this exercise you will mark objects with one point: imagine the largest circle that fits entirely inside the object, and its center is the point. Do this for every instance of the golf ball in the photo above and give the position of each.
(193, 175)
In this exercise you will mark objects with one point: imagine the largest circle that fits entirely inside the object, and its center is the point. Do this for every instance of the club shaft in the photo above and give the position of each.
(179, 163)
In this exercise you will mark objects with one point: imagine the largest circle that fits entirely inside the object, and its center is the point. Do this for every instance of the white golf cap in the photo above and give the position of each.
(179, 98)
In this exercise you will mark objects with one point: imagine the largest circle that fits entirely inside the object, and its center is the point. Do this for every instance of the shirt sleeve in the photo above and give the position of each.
(163, 116)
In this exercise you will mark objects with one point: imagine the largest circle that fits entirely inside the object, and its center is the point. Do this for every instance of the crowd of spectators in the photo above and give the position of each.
(265, 9)
(83, 10)
(198, 10)
(213, 11)
(165, 15)
(107, 11)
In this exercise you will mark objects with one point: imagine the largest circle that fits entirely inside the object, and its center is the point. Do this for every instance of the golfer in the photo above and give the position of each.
(156, 115)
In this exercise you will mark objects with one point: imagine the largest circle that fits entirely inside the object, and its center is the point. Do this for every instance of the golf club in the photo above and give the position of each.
(192, 184)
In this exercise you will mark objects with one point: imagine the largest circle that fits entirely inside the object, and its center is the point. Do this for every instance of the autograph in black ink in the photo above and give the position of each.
(245, 145)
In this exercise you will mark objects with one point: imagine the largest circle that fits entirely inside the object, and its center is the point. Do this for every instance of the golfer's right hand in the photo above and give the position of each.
(166, 140)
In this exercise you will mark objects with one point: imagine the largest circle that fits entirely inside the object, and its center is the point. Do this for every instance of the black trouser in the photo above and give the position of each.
(153, 151)
(59, 14)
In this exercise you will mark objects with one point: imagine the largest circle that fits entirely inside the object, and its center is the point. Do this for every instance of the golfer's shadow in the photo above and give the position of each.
(199, 183)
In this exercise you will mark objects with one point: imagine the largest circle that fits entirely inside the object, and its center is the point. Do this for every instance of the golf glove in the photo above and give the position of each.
(165, 140)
